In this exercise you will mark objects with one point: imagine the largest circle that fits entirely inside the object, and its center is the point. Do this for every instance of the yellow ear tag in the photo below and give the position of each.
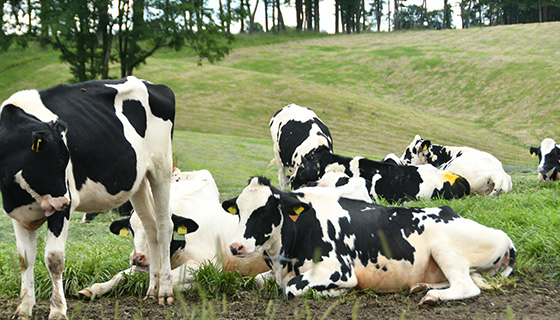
(298, 210)
(35, 147)
(232, 210)
(182, 230)
(533, 154)
(123, 232)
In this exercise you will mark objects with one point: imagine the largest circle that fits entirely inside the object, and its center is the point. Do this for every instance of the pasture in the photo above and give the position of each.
(495, 89)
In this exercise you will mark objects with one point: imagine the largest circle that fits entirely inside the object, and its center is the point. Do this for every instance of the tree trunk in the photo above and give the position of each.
(281, 24)
(265, 3)
(299, 15)
(316, 14)
(336, 16)
(309, 14)
(445, 14)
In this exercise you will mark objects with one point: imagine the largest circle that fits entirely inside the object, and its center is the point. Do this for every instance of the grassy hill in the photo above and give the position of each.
(495, 89)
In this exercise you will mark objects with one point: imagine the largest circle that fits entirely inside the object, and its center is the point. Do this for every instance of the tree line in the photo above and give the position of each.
(92, 34)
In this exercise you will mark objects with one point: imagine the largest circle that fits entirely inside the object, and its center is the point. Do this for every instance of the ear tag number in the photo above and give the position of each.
(123, 232)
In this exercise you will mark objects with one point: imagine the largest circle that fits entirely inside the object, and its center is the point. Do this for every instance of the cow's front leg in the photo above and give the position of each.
(54, 260)
(27, 251)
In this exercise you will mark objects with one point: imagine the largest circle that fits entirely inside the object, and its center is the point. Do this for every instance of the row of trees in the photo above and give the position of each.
(92, 34)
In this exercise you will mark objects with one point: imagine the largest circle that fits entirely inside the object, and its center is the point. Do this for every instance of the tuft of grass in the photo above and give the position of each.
(214, 283)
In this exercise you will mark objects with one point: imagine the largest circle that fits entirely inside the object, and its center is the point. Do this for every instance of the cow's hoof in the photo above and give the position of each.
(85, 293)
(163, 300)
(419, 287)
(57, 316)
(150, 298)
(429, 300)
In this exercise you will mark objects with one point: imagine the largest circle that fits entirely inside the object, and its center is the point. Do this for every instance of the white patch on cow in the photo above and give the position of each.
(30, 102)
(376, 177)
(354, 189)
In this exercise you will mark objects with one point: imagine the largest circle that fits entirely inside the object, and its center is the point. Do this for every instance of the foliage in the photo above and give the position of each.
(212, 282)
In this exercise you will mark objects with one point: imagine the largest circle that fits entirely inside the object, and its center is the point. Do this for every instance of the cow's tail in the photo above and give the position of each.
(272, 162)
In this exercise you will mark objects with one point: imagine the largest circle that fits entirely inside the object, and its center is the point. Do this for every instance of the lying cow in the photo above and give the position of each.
(317, 240)
(549, 160)
(295, 132)
(196, 206)
(484, 172)
(89, 147)
(392, 182)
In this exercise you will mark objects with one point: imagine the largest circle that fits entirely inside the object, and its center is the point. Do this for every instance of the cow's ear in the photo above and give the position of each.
(120, 227)
(231, 206)
(293, 206)
(38, 139)
(534, 151)
(426, 144)
(183, 225)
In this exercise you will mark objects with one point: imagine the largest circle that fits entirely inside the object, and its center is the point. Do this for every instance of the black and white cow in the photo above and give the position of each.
(549, 160)
(296, 131)
(318, 240)
(89, 147)
(484, 172)
(392, 182)
(198, 238)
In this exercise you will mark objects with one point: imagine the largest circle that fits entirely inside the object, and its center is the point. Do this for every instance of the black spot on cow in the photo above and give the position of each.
(94, 148)
(136, 115)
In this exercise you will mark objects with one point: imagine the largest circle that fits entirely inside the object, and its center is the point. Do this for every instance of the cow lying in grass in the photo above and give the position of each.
(318, 240)
(549, 160)
(392, 182)
(209, 229)
(482, 170)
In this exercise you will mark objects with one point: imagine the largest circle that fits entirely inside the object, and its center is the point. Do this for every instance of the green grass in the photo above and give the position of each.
(495, 89)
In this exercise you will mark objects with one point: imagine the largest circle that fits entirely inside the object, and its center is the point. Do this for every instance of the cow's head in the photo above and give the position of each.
(549, 161)
(262, 210)
(417, 151)
(33, 157)
(140, 257)
(309, 170)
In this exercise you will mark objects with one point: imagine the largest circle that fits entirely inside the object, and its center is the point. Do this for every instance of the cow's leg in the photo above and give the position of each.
(54, 260)
(27, 251)
(160, 182)
(457, 271)
(281, 175)
(99, 289)
(143, 204)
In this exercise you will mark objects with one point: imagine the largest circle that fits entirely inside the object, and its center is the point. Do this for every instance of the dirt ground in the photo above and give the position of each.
(523, 298)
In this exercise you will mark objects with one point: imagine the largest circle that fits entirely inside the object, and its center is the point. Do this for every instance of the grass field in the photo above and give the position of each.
(495, 89)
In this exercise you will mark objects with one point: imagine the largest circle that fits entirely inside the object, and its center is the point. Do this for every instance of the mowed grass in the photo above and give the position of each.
(495, 89)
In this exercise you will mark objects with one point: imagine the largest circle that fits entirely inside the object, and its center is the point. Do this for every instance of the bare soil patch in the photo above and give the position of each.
(524, 298)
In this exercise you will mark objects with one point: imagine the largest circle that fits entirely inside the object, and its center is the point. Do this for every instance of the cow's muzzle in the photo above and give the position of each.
(238, 249)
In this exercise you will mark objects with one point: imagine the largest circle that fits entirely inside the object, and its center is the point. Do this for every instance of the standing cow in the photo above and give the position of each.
(296, 131)
(484, 172)
(389, 180)
(318, 240)
(87, 147)
(549, 160)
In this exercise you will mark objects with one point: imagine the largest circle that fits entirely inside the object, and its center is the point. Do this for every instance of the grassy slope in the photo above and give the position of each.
(375, 91)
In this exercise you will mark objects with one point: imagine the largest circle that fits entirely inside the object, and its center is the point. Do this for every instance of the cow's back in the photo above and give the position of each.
(111, 126)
